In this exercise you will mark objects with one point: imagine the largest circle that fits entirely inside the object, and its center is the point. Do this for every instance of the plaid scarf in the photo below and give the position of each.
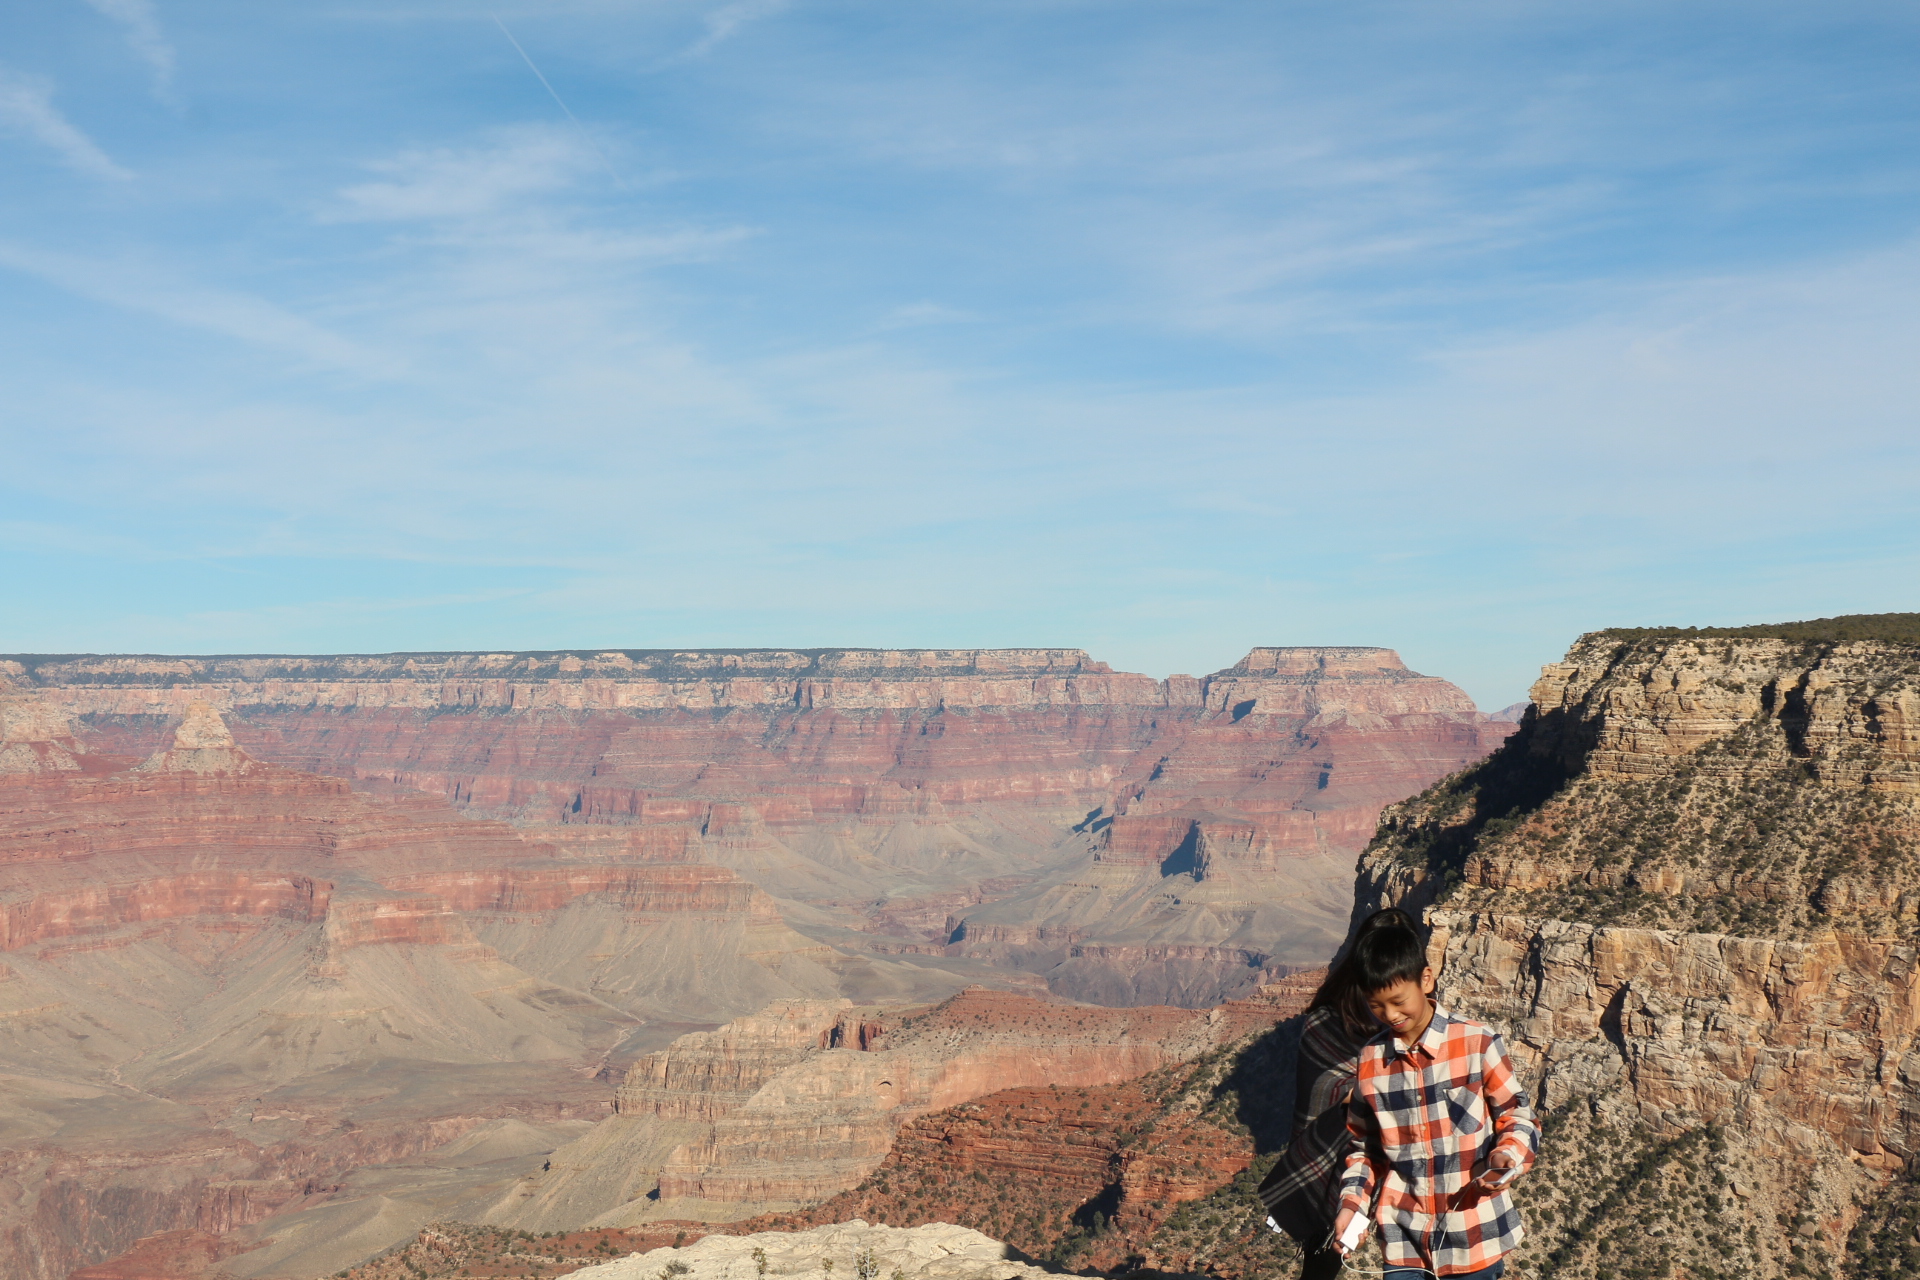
(1302, 1190)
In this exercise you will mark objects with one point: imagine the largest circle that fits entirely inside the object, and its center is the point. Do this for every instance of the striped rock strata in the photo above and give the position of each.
(225, 986)
(790, 1105)
(1133, 840)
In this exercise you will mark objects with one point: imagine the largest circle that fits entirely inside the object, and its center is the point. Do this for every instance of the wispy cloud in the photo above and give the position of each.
(142, 23)
(726, 22)
(239, 316)
(466, 182)
(26, 109)
(1165, 329)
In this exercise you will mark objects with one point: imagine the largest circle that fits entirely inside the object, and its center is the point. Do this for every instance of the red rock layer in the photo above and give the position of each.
(1033, 1165)
(210, 916)
(168, 1255)
(804, 1097)
(795, 739)
(908, 792)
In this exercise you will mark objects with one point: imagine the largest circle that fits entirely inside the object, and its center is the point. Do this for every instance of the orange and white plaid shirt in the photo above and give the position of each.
(1425, 1121)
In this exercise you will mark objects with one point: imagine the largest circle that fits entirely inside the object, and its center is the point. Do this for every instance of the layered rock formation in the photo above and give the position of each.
(785, 1107)
(1220, 861)
(1688, 889)
(1132, 840)
(228, 986)
(1156, 1169)
(1096, 1175)
(284, 985)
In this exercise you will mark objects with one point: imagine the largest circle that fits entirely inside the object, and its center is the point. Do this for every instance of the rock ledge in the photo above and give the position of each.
(937, 1251)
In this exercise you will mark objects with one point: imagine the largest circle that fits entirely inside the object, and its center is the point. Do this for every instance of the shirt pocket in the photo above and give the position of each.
(1466, 1110)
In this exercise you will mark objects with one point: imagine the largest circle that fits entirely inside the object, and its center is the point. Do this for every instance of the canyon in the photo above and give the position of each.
(1686, 891)
(1125, 839)
(229, 988)
(303, 954)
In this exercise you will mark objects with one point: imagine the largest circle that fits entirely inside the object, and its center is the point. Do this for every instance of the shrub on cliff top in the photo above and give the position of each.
(1901, 628)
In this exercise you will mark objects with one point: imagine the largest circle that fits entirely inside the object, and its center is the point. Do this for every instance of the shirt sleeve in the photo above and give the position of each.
(1513, 1123)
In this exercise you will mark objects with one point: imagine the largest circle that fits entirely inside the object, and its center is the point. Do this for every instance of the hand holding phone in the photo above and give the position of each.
(1498, 1177)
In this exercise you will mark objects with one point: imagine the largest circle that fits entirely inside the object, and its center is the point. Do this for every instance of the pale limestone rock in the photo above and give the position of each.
(203, 729)
(35, 736)
(201, 744)
(937, 1251)
(1852, 710)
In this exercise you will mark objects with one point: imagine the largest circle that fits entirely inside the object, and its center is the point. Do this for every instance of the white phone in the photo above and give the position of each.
(1356, 1232)
(1497, 1178)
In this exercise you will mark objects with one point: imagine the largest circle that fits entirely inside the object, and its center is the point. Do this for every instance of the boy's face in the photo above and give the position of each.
(1404, 1007)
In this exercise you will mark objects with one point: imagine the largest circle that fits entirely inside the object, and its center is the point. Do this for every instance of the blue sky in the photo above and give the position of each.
(1163, 330)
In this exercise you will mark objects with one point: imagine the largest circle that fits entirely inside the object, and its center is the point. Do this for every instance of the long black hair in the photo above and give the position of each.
(1346, 987)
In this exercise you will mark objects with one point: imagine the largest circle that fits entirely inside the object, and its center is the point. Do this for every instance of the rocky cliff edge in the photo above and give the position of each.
(1688, 890)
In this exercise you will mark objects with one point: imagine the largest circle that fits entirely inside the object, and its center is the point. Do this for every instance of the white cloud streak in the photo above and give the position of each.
(27, 110)
(726, 22)
(234, 315)
(463, 183)
(148, 42)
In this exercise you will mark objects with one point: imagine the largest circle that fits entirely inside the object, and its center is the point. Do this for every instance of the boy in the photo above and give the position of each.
(1437, 1129)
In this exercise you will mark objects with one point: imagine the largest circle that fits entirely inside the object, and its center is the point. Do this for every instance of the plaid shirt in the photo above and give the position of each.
(1423, 1123)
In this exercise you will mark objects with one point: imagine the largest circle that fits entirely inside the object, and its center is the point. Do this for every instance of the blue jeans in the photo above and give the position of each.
(1493, 1272)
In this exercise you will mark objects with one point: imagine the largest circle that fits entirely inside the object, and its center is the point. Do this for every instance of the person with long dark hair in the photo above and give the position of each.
(1302, 1191)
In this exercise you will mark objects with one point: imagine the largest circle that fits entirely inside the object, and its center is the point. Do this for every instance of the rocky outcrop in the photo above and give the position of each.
(933, 1252)
(1688, 890)
(1155, 1170)
(1176, 840)
(785, 1107)
(35, 736)
(202, 743)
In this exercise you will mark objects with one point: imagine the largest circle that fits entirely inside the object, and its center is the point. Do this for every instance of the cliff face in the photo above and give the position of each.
(1238, 833)
(1108, 1175)
(1132, 840)
(1688, 890)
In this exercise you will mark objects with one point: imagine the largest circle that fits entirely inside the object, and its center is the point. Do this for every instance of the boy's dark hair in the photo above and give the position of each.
(1383, 957)
(1343, 991)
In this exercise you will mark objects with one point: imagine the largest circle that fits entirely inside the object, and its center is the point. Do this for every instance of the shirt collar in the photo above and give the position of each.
(1431, 1040)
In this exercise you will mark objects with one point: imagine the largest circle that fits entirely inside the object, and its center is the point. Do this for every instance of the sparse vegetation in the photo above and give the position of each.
(1901, 628)
(1751, 834)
